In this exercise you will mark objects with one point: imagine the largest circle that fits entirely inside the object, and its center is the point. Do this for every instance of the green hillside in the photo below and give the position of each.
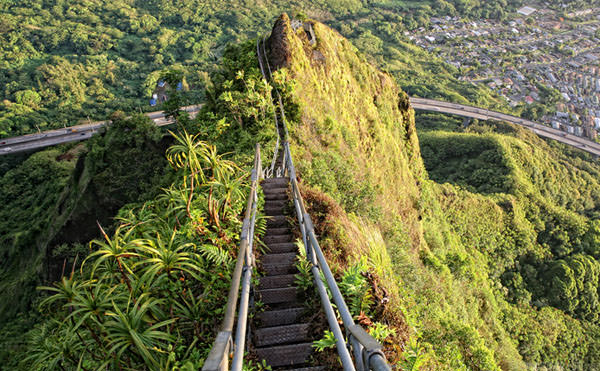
(495, 270)
(466, 249)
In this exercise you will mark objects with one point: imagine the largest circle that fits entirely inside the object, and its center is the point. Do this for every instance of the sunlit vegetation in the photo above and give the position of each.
(501, 251)
(187, 230)
(66, 61)
(496, 269)
(149, 295)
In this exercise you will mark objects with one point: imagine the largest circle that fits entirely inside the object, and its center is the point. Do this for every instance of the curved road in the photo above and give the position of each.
(81, 132)
(484, 114)
(73, 133)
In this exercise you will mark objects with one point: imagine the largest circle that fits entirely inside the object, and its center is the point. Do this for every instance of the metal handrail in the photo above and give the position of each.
(270, 171)
(367, 351)
(218, 358)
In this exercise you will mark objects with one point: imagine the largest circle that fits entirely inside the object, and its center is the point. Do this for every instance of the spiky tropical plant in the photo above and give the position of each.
(146, 296)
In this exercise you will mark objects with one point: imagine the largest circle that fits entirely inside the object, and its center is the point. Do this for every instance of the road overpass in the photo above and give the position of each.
(484, 114)
(85, 131)
(74, 133)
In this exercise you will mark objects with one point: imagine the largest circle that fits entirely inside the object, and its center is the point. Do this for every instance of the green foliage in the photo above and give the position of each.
(356, 289)
(304, 278)
(151, 292)
(61, 59)
(413, 357)
(327, 342)
(381, 331)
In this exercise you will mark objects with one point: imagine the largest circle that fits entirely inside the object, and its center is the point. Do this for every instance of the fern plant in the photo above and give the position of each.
(356, 289)
(303, 279)
(413, 357)
(326, 342)
(381, 331)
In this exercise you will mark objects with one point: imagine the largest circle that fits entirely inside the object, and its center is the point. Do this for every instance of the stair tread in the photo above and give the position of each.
(279, 203)
(269, 239)
(281, 247)
(286, 355)
(275, 191)
(279, 269)
(273, 211)
(279, 295)
(276, 282)
(275, 196)
(283, 258)
(277, 231)
(279, 317)
(286, 334)
(274, 187)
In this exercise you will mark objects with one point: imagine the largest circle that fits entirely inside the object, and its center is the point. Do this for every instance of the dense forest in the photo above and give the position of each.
(63, 62)
(485, 243)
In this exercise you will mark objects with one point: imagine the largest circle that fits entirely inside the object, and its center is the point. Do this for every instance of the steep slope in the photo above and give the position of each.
(440, 257)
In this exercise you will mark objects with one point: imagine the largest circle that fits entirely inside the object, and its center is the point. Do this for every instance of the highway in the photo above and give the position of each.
(484, 114)
(73, 133)
(85, 131)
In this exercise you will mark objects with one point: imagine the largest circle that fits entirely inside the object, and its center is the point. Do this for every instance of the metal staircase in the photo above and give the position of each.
(280, 337)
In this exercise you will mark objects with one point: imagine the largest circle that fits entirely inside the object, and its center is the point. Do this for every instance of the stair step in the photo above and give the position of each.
(279, 269)
(277, 221)
(285, 258)
(286, 355)
(280, 317)
(280, 295)
(271, 196)
(273, 211)
(283, 247)
(269, 239)
(276, 203)
(276, 282)
(281, 181)
(281, 334)
(278, 231)
(274, 187)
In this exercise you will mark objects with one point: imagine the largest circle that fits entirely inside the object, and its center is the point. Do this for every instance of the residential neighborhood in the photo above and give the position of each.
(542, 60)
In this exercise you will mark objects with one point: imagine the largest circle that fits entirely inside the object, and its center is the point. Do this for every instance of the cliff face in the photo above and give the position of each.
(351, 116)
(354, 142)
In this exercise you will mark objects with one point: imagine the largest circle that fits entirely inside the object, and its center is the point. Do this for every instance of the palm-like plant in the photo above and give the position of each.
(118, 248)
(52, 346)
(176, 200)
(65, 291)
(91, 304)
(130, 330)
(187, 153)
(158, 256)
(232, 190)
(190, 313)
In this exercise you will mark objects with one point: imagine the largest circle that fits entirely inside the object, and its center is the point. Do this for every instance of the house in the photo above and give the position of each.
(526, 11)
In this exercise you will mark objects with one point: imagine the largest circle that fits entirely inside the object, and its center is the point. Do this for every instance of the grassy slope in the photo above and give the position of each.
(433, 247)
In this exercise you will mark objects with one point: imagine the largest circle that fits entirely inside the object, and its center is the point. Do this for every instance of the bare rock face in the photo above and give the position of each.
(280, 53)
